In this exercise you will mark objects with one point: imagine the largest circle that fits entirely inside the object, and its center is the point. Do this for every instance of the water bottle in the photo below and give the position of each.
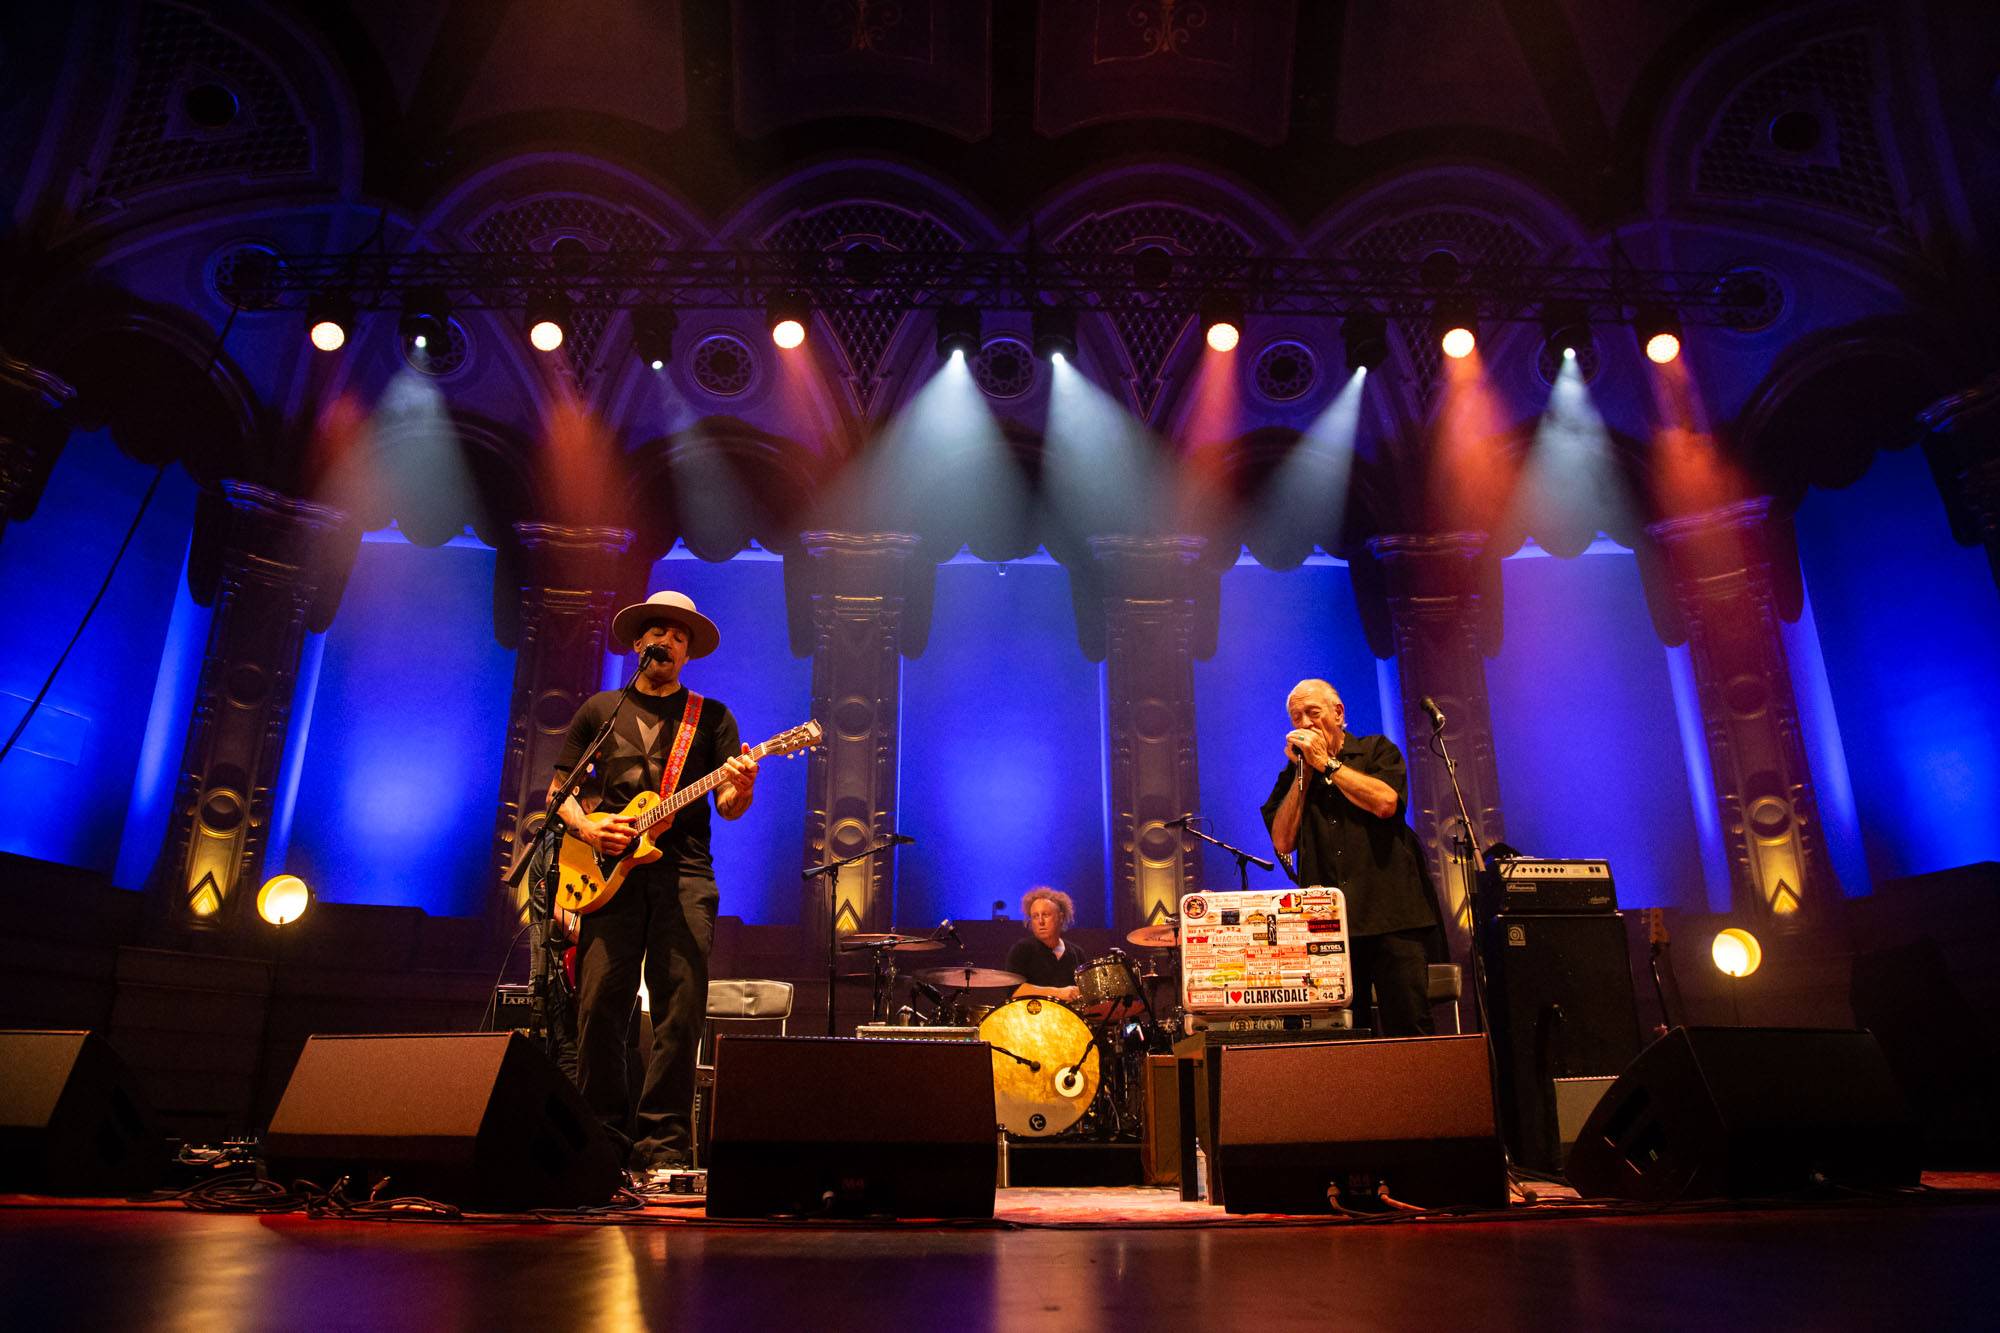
(1200, 1171)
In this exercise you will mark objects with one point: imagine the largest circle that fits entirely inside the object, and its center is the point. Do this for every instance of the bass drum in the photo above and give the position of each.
(1039, 1102)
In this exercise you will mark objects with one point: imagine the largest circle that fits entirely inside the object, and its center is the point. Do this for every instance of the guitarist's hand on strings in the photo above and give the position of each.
(611, 837)
(739, 777)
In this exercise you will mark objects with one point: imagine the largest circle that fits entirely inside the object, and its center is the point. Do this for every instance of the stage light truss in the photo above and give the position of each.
(989, 281)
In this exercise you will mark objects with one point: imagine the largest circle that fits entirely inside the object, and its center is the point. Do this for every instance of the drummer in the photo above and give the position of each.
(1045, 958)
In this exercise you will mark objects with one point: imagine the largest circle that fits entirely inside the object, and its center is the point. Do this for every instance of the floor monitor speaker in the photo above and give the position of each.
(1414, 1115)
(484, 1120)
(840, 1126)
(72, 1118)
(1748, 1112)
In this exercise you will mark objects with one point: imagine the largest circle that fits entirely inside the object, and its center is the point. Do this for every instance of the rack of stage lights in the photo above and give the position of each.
(991, 281)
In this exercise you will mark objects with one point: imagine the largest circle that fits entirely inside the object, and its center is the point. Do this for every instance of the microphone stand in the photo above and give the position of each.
(1244, 860)
(831, 869)
(541, 902)
(1443, 751)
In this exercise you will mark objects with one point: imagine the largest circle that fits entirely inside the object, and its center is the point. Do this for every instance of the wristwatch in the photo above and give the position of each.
(1333, 766)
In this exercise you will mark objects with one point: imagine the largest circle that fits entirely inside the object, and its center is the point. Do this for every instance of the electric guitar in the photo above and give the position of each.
(586, 880)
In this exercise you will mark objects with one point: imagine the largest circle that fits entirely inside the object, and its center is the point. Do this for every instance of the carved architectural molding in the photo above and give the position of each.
(1963, 447)
(1436, 588)
(567, 587)
(854, 587)
(1719, 566)
(33, 430)
(1151, 590)
(277, 563)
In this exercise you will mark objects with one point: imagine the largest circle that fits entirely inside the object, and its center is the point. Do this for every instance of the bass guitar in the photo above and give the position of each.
(587, 880)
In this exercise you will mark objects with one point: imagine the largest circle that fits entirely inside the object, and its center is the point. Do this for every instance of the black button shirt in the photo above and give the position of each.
(1037, 963)
(1376, 862)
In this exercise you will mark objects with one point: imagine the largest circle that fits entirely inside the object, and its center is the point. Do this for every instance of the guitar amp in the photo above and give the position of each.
(1523, 885)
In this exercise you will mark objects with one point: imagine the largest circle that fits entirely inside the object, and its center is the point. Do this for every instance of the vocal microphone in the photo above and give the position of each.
(654, 652)
(1429, 705)
(898, 839)
(1183, 821)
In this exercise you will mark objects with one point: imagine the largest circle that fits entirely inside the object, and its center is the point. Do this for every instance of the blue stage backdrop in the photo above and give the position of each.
(1909, 626)
(1003, 750)
(400, 771)
(1278, 627)
(758, 857)
(69, 780)
(1584, 727)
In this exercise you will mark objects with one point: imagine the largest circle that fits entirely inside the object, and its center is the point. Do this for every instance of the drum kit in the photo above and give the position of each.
(1059, 1067)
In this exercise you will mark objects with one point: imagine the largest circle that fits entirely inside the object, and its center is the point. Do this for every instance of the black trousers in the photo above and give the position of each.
(1397, 966)
(663, 920)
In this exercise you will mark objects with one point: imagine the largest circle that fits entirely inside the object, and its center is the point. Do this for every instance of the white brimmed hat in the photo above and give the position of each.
(678, 607)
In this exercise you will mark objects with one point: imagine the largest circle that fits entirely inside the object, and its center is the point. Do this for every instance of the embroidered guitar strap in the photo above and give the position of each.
(683, 742)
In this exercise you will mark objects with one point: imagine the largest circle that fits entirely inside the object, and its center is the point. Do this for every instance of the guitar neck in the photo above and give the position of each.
(688, 795)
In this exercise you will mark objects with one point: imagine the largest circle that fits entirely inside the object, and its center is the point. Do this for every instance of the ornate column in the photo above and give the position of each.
(1443, 619)
(567, 584)
(32, 433)
(853, 584)
(1718, 566)
(1963, 447)
(1150, 590)
(273, 568)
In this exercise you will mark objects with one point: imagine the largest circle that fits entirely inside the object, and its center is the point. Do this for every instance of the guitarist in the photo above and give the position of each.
(664, 915)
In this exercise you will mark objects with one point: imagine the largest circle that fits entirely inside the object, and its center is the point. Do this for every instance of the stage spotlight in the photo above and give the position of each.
(548, 321)
(1054, 332)
(283, 899)
(958, 331)
(425, 320)
(1565, 330)
(1222, 321)
(329, 319)
(1456, 325)
(1736, 952)
(1365, 335)
(786, 315)
(1659, 333)
(653, 335)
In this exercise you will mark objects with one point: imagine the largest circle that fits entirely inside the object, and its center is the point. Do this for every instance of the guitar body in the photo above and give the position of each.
(587, 881)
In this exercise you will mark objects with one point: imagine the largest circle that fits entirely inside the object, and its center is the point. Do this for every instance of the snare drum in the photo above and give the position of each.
(1048, 1099)
(1109, 987)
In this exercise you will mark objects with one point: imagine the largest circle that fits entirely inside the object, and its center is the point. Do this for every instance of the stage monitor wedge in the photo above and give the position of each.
(1708, 1113)
(841, 1126)
(1412, 1114)
(483, 1120)
(73, 1119)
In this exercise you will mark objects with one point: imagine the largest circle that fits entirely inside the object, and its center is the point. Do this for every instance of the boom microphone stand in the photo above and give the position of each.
(831, 869)
(1244, 860)
(542, 853)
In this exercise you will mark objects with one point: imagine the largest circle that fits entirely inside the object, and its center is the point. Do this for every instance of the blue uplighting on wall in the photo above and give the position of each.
(1909, 625)
(757, 857)
(1584, 728)
(165, 738)
(399, 782)
(1278, 627)
(1000, 765)
(69, 779)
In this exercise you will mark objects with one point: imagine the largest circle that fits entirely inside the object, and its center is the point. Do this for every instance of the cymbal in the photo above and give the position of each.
(1161, 936)
(891, 940)
(969, 978)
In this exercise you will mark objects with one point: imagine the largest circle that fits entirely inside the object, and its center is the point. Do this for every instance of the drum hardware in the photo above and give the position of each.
(1160, 935)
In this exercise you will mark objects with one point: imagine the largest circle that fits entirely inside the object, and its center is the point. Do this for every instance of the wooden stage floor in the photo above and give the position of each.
(1053, 1258)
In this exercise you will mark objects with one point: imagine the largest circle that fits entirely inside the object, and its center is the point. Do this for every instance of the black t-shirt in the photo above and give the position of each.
(1376, 862)
(1036, 962)
(634, 759)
